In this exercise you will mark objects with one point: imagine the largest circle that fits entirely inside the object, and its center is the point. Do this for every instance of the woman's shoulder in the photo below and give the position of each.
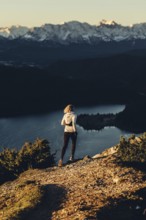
(74, 114)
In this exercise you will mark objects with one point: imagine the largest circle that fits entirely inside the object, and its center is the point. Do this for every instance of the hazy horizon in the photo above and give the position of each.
(20, 25)
(33, 13)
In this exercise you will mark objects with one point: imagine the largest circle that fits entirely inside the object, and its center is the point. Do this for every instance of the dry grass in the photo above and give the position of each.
(18, 198)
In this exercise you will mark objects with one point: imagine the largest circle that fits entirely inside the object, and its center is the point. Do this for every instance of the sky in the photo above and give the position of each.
(38, 12)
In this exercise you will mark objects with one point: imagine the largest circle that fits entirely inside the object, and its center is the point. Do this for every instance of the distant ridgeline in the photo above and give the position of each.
(72, 40)
(132, 119)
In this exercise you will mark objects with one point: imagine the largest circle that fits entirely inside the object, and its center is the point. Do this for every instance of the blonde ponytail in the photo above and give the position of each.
(68, 108)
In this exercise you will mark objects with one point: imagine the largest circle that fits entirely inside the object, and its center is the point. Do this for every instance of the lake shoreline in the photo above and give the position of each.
(15, 131)
(127, 120)
(96, 122)
(20, 111)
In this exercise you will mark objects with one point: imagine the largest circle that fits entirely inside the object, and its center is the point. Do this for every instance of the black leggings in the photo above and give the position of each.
(67, 136)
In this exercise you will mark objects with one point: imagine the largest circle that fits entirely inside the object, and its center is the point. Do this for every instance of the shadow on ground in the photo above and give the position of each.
(52, 201)
(136, 165)
(124, 208)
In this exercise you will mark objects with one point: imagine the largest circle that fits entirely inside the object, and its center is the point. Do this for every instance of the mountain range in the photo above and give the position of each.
(74, 32)
(47, 44)
(102, 71)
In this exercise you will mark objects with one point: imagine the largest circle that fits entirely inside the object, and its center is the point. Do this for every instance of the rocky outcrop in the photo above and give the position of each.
(107, 152)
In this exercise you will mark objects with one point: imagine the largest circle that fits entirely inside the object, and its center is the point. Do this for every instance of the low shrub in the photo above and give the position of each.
(133, 149)
(31, 155)
(36, 155)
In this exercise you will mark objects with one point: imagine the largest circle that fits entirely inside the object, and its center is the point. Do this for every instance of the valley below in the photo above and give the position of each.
(117, 79)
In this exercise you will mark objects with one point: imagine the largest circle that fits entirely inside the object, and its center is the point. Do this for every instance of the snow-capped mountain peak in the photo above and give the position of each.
(13, 31)
(108, 23)
(4, 32)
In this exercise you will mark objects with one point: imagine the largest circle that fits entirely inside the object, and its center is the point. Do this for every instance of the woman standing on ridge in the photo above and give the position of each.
(70, 132)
